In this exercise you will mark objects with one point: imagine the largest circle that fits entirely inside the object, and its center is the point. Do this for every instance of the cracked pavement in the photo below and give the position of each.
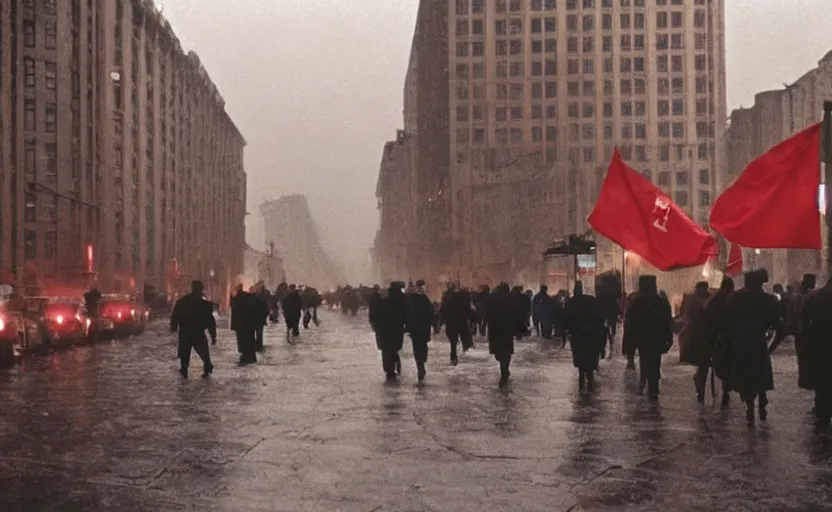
(314, 427)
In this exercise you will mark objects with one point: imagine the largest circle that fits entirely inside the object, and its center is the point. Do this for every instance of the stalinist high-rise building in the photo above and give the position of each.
(535, 96)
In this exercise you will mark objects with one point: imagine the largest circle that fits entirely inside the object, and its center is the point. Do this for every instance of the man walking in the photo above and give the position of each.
(191, 316)
(419, 324)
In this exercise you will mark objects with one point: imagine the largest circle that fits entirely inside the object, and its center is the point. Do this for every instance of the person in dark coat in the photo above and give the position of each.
(502, 328)
(245, 319)
(522, 308)
(392, 326)
(292, 310)
(455, 312)
(191, 317)
(814, 351)
(752, 314)
(587, 335)
(628, 347)
(694, 348)
(717, 337)
(648, 329)
(420, 324)
(543, 313)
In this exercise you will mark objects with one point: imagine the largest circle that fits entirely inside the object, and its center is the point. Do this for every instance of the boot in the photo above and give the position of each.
(421, 371)
(581, 382)
(749, 412)
(590, 382)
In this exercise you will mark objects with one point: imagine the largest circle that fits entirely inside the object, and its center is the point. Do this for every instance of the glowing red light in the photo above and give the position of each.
(2, 323)
(90, 258)
(59, 319)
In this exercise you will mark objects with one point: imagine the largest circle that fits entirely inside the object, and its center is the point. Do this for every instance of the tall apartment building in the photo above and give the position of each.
(395, 197)
(122, 159)
(527, 99)
(288, 225)
(776, 115)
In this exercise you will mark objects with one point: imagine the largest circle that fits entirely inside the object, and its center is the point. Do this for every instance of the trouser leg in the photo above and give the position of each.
(201, 348)
(453, 338)
(700, 381)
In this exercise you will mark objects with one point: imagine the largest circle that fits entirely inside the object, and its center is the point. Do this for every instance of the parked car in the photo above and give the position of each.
(122, 315)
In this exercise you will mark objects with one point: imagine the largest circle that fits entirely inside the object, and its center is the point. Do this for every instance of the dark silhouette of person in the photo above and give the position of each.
(191, 317)
(292, 310)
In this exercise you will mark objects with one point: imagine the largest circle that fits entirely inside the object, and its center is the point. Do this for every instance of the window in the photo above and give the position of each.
(589, 109)
(29, 244)
(462, 114)
(606, 22)
(50, 245)
(702, 151)
(537, 46)
(461, 49)
(516, 135)
(661, 19)
(537, 26)
(626, 131)
(537, 134)
(662, 41)
(516, 5)
(462, 71)
(517, 69)
(501, 114)
(607, 132)
(626, 64)
(678, 107)
(501, 69)
(626, 109)
(704, 176)
(681, 198)
(551, 45)
(664, 156)
(607, 44)
(551, 133)
(479, 136)
(537, 88)
(638, 64)
(677, 42)
(704, 198)
(477, 113)
(501, 134)
(461, 7)
(572, 23)
(477, 27)
(664, 179)
(664, 129)
(676, 20)
(626, 86)
(589, 154)
(677, 63)
(588, 22)
(663, 107)
(29, 33)
(661, 64)
(516, 91)
(51, 154)
(641, 153)
(29, 72)
(638, 20)
(678, 130)
(682, 178)
(607, 109)
(515, 46)
(515, 26)
(51, 119)
(30, 211)
(588, 131)
(589, 88)
(625, 43)
(550, 24)
(29, 117)
(537, 68)
(477, 49)
(551, 67)
(477, 71)
(51, 29)
(476, 6)
(537, 112)
(462, 136)
(551, 111)
(700, 62)
(50, 75)
(516, 113)
(588, 44)
(573, 110)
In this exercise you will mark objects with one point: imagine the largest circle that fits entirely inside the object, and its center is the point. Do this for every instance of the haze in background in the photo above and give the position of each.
(316, 88)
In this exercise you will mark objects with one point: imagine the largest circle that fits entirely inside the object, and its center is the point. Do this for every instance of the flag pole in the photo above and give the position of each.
(826, 159)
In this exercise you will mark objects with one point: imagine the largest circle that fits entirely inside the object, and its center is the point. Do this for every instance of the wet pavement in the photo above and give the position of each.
(314, 427)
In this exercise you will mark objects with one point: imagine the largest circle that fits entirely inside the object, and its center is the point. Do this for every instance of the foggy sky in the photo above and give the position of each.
(315, 86)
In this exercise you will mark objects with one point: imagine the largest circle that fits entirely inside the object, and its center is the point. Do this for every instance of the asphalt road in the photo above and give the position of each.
(314, 427)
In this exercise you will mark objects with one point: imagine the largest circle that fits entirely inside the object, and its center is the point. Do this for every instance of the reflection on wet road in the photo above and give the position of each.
(315, 427)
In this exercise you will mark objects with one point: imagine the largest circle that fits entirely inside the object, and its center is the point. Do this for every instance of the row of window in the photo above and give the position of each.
(549, 67)
(464, 7)
(50, 35)
(30, 247)
(548, 25)
(50, 118)
(504, 47)
(50, 73)
(575, 110)
(515, 135)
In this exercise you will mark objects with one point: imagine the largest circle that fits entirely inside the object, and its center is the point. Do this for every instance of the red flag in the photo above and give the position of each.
(733, 266)
(639, 217)
(773, 203)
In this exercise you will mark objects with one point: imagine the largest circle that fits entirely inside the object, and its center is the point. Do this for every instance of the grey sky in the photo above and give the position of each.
(316, 88)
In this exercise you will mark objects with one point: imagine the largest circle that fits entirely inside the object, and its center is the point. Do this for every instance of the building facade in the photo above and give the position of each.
(288, 225)
(396, 212)
(521, 102)
(775, 116)
(126, 169)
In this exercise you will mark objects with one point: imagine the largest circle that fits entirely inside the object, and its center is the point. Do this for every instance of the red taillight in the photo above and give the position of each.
(2, 323)
(60, 319)
(118, 315)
